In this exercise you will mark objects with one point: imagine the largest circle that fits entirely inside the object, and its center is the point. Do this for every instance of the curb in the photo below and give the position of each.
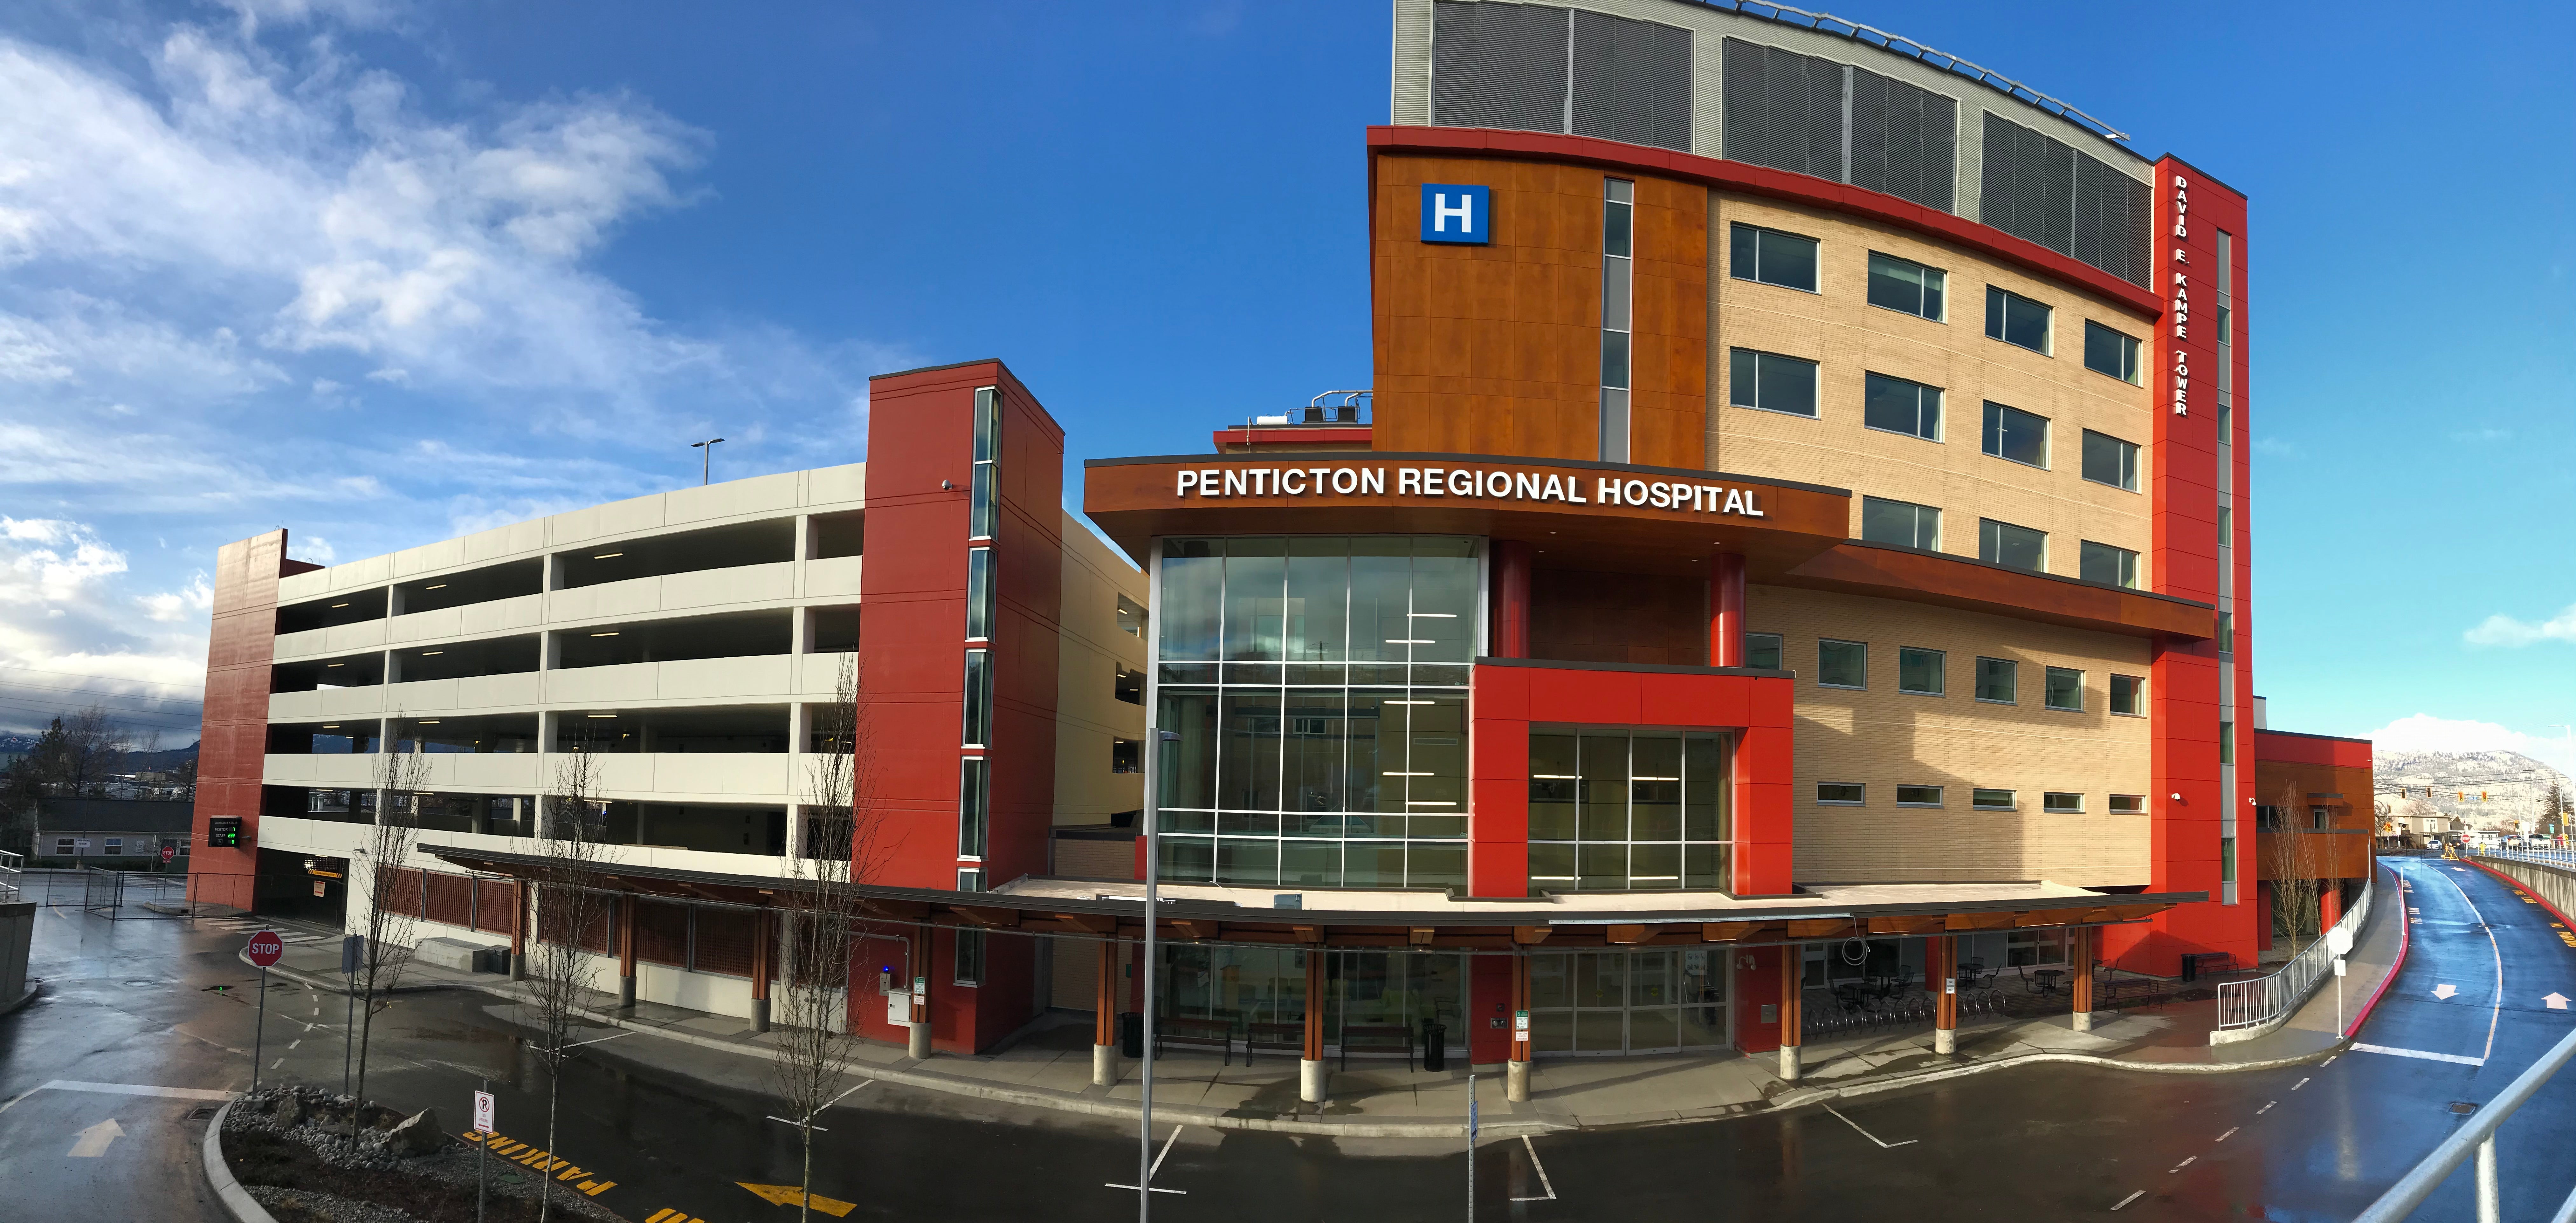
(2396, 966)
(236, 1200)
(25, 998)
(323, 981)
(1215, 1119)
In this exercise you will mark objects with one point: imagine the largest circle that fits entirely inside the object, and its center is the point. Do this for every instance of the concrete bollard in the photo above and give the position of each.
(760, 1014)
(1516, 1082)
(1789, 1067)
(919, 1045)
(1312, 1079)
(1104, 1065)
(1945, 1041)
(2083, 1021)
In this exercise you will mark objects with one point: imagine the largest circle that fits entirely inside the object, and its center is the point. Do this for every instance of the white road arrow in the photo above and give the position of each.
(2556, 1001)
(93, 1141)
(2445, 990)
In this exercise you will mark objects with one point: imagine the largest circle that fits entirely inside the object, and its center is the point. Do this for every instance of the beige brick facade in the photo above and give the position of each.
(1883, 738)
(1088, 714)
(1839, 327)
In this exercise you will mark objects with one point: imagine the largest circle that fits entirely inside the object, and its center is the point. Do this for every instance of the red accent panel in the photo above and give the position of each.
(1512, 563)
(1489, 998)
(1309, 436)
(1507, 699)
(232, 756)
(1759, 180)
(1757, 985)
(1726, 610)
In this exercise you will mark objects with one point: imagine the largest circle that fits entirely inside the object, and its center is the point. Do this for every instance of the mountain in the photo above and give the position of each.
(2514, 786)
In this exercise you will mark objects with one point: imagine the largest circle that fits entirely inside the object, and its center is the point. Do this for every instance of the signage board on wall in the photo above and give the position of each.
(1465, 483)
(1457, 214)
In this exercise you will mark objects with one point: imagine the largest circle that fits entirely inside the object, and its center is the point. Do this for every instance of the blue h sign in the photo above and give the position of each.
(1451, 213)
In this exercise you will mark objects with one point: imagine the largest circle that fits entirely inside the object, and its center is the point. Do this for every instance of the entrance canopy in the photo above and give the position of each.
(1424, 919)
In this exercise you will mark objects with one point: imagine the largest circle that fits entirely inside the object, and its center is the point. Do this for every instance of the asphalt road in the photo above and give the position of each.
(128, 1003)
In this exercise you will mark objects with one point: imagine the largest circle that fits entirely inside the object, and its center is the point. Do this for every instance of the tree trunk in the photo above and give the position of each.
(554, 1092)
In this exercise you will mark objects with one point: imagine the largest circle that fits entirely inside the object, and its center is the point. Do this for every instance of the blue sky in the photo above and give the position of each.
(383, 272)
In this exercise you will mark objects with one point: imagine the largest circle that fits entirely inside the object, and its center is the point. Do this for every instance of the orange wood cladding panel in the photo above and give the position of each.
(1496, 349)
(1619, 617)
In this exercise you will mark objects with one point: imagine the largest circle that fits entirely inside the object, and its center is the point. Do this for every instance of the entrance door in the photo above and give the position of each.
(1610, 1002)
(881, 989)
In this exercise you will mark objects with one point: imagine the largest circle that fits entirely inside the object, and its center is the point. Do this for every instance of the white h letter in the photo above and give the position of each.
(1441, 212)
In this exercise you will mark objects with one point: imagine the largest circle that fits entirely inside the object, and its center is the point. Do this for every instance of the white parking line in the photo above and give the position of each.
(1157, 1166)
(2418, 1053)
(2265, 1109)
(2301, 1083)
(1543, 1182)
(2231, 1133)
(1883, 1144)
(2134, 1195)
(2187, 1162)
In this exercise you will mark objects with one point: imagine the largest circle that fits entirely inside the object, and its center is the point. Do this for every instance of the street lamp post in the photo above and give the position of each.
(1155, 737)
(706, 457)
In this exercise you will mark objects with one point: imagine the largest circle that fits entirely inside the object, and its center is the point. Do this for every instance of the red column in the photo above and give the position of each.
(1726, 609)
(2329, 904)
(1511, 636)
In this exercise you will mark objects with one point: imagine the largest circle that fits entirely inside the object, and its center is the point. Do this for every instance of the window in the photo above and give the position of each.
(1771, 382)
(1617, 265)
(988, 446)
(1131, 617)
(1918, 796)
(1921, 671)
(1126, 756)
(2226, 632)
(2128, 804)
(2109, 352)
(2227, 743)
(1842, 664)
(2017, 435)
(2269, 819)
(1772, 257)
(2064, 689)
(2319, 819)
(979, 594)
(2129, 695)
(2108, 565)
(2108, 460)
(2002, 543)
(1614, 809)
(63, 847)
(2227, 868)
(1840, 794)
(1991, 800)
(1129, 686)
(2028, 948)
(1998, 680)
(2015, 319)
(1902, 284)
(1901, 523)
(1762, 651)
(115, 847)
(1899, 406)
(2226, 526)
(970, 943)
(979, 699)
(2058, 802)
(974, 806)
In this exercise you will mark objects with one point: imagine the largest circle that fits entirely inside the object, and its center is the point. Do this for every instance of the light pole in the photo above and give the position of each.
(706, 457)
(2555, 824)
(1155, 737)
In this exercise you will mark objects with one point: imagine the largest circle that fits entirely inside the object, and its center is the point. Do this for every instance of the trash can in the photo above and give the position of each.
(1435, 1045)
(1131, 1036)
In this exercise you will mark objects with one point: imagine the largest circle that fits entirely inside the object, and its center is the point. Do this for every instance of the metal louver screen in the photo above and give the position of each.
(1903, 140)
(1783, 110)
(1498, 65)
(2043, 189)
(1631, 81)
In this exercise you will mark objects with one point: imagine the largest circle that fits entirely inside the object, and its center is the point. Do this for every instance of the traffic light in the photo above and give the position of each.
(224, 832)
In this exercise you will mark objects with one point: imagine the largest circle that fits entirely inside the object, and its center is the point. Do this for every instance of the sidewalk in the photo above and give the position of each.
(1051, 1068)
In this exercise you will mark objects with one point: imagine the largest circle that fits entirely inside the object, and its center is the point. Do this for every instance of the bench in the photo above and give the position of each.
(1197, 1033)
(1287, 1038)
(1377, 1038)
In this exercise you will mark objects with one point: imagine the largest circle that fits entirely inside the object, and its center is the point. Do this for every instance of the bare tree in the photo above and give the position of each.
(821, 920)
(383, 861)
(572, 903)
(2294, 858)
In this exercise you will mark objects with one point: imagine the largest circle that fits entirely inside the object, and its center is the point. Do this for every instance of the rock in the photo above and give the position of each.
(418, 1134)
(288, 1110)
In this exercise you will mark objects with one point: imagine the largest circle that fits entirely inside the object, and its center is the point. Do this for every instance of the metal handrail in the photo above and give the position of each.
(2283, 991)
(11, 866)
(2478, 1136)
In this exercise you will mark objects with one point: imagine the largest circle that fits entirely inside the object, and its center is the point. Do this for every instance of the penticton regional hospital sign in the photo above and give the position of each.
(1467, 483)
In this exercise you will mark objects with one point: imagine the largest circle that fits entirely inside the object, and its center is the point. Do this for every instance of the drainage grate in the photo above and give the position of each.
(203, 1112)
(2463, 1107)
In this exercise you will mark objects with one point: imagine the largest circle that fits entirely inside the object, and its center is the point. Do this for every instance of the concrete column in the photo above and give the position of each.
(1793, 1019)
(1516, 1072)
(762, 923)
(1104, 1021)
(2079, 967)
(1945, 1009)
(626, 951)
(1726, 609)
(1314, 1083)
(1511, 593)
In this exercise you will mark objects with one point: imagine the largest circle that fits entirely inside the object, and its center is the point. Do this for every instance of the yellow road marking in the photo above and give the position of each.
(543, 1161)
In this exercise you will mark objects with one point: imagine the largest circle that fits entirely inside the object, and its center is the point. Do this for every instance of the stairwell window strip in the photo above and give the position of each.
(974, 807)
(988, 445)
(1618, 219)
(979, 594)
(970, 943)
(977, 731)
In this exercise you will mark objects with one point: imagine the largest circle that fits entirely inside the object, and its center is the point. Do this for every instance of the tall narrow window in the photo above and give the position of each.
(970, 943)
(979, 594)
(988, 446)
(974, 806)
(1617, 263)
(979, 698)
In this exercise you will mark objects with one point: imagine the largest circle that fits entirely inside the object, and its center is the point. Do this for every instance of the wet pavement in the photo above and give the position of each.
(680, 1127)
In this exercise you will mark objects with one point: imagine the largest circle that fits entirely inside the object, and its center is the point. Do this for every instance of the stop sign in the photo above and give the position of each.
(168, 852)
(265, 948)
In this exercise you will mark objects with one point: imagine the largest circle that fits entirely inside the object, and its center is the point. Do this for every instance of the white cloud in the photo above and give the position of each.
(312, 548)
(2425, 733)
(2504, 630)
(67, 639)
(187, 603)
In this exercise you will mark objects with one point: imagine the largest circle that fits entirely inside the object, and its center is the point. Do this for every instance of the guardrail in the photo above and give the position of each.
(11, 867)
(2564, 859)
(2478, 1138)
(2244, 1004)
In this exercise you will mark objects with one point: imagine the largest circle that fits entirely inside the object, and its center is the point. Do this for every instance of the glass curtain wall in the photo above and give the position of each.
(1628, 1001)
(1319, 688)
(1366, 992)
(1620, 810)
